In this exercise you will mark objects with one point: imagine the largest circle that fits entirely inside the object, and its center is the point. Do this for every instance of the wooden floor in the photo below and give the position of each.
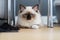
(33, 34)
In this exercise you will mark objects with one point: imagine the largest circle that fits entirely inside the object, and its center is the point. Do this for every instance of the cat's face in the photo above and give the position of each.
(28, 12)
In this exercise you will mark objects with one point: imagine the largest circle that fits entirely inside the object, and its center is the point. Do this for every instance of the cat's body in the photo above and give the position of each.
(29, 17)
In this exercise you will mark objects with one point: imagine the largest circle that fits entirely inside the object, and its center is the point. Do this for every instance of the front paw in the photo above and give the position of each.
(35, 26)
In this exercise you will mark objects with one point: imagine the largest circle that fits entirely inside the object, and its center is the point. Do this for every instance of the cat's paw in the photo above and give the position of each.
(35, 26)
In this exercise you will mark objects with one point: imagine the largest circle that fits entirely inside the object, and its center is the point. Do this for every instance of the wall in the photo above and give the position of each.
(58, 13)
(44, 5)
(57, 9)
(3, 10)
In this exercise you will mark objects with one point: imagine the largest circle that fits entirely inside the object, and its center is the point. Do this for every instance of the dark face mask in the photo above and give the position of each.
(28, 16)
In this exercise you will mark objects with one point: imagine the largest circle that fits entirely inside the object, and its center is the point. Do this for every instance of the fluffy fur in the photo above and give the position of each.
(35, 22)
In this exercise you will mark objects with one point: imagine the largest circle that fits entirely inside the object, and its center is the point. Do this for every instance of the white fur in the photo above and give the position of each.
(30, 23)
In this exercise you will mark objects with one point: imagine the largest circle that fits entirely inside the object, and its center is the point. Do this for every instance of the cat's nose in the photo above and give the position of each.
(28, 17)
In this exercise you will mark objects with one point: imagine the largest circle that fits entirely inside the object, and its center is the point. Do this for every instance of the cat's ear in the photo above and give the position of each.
(21, 7)
(36, 7)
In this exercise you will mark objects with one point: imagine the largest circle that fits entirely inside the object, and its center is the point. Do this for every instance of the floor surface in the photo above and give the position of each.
(33, 34)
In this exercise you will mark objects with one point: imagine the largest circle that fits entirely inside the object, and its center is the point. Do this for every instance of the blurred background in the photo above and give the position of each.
(9, 9)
